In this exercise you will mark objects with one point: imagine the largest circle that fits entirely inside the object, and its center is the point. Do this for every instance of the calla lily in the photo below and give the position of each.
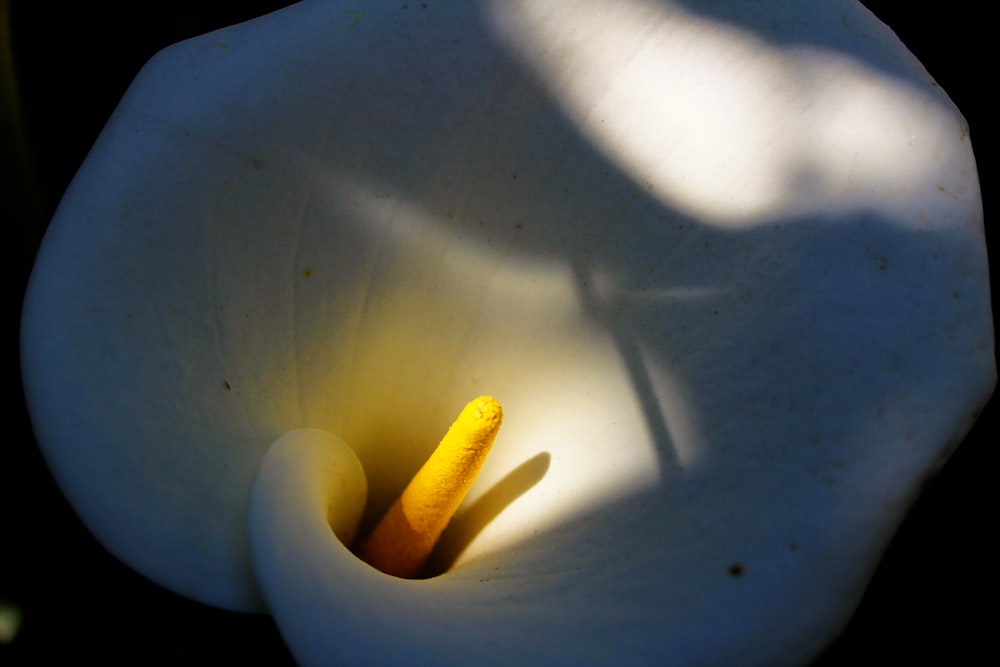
(729, 284)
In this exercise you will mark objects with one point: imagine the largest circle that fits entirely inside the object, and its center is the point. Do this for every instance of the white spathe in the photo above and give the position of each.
(722, 263)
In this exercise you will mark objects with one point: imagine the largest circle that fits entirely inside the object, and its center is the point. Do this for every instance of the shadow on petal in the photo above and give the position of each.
(471, 521)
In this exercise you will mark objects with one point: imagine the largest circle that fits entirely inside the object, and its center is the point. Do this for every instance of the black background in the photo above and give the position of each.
(932, 600)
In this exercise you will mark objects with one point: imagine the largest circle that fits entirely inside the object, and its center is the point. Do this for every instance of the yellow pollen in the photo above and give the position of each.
(405, 536)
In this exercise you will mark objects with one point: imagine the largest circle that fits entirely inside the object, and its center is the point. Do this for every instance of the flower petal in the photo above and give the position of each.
(300, 220)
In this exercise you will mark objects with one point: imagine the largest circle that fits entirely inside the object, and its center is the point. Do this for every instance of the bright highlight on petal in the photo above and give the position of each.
(404, 538)
(680, 112)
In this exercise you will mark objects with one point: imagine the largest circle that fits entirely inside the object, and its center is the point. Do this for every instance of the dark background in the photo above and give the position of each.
(932, 600)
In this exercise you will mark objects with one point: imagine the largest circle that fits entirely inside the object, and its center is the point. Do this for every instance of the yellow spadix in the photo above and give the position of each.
(404, 538)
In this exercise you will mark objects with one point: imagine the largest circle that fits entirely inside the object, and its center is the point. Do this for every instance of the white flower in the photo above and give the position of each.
(728, 281)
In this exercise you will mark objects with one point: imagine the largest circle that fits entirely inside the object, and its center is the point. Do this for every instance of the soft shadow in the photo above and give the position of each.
(607, 312)
(470, 522)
